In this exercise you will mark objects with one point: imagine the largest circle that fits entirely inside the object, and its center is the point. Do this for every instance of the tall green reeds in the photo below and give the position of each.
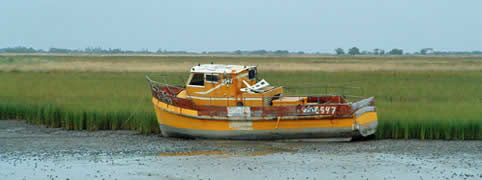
(56, 117)
(429, 129)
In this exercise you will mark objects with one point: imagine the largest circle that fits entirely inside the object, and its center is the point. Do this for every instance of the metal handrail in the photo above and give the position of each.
(166, 84)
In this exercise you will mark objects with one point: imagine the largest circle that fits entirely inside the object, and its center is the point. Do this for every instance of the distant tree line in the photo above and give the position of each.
(355, 51)
(338, 51)
(256, 52)
(97, 50)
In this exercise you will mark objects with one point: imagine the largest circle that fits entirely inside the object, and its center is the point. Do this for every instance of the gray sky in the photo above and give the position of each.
(196, 25)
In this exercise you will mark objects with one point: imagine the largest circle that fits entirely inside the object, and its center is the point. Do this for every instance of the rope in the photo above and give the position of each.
(137, 106)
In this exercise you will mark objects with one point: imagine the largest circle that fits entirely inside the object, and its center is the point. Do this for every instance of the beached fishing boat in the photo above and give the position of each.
(228, 102)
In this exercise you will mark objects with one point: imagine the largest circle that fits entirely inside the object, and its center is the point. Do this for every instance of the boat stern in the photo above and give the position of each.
(366, 119)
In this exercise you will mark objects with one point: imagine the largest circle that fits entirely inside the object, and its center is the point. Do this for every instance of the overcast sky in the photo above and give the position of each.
(210, 25)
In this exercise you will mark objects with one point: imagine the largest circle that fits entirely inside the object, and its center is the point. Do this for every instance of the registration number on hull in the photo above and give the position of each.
(329, 110)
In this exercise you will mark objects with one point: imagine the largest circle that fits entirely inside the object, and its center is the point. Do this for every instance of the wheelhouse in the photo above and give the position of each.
(227, 85)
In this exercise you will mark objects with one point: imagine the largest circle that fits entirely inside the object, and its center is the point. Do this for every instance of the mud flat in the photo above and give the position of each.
(33, 152)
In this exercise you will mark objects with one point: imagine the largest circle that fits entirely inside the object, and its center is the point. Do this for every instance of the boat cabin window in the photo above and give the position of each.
(197, 79)
(212, 78)
(252, 74)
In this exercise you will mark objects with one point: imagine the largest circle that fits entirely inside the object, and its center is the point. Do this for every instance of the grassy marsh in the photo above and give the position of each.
(267, 63)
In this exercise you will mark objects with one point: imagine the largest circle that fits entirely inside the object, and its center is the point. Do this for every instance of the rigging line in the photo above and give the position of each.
(137, 106)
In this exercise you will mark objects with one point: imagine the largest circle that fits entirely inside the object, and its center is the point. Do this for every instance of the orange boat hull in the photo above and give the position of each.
(178, 122)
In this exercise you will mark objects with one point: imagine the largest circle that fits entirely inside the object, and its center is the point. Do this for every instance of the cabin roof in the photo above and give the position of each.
(219, 68)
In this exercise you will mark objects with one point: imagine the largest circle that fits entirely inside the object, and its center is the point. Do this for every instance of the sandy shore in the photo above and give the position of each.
(32, 152)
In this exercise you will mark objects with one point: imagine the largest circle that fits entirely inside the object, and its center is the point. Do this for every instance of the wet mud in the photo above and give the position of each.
(34, 152)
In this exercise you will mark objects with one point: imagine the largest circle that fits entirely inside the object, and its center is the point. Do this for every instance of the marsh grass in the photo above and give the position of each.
(57, 117)
(267, 63)
(410, 105)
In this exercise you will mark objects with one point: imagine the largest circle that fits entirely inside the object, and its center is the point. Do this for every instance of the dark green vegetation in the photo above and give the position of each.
(425, 105)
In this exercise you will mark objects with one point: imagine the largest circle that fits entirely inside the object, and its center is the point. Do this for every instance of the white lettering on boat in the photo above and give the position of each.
(319, 109)
(239, 111)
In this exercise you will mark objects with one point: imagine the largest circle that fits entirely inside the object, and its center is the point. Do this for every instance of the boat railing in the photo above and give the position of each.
(331, 105)
(335, 104)
(166, 92)
(316, 99)
(312, 98)
(289, 91)
(325, 90)
(163, 78)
